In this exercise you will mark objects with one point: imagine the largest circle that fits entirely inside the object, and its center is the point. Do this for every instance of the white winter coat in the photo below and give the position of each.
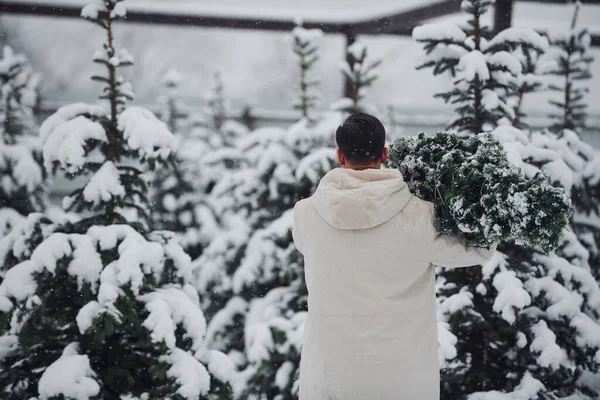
(369, 247)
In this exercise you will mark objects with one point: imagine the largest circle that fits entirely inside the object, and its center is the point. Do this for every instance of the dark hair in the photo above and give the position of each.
(361, 138)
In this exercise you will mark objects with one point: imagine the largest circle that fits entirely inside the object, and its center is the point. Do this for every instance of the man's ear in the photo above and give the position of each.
(384, 155)
(341, 158)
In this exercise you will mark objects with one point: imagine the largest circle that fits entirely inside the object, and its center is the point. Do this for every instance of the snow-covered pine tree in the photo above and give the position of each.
(179, 198)
(569, 61)
(567, 64)
(362, 72)
(306, 48)
(226, 131)
(250, 275)
(100, 308)
(526, 324)
(172, 110)
(484, 73)
(529, 81)
(21, 173)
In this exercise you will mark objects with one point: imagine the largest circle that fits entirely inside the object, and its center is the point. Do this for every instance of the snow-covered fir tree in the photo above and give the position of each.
(569, 61)
(21, 173)
(484, 72)
(172, 108)
(361, 69)
(567, 65)
(204, 153)
(100, 308)
(529, 81)
(525, 325)
(250, 275)
(306, 49)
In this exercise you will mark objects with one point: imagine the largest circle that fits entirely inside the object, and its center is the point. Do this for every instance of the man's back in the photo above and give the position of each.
(371, 330)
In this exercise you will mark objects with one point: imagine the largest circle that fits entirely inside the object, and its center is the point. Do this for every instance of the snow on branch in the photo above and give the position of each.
(146, 134)
(263, 257)
(544, 343)
(189, 373)
(515, 37)
(104, 186)
(511, 295)
(66, 135)
(169, 308)
(443, 32)
(71, 376)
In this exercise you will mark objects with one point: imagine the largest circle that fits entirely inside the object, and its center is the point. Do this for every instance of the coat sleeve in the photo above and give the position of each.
(296, 231)
(446, 251)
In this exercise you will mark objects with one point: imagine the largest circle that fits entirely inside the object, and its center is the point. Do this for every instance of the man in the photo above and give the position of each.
(370, 248)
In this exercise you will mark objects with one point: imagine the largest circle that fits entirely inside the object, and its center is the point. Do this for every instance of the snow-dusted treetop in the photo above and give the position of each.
(362, 71)
(567, 64)
(306, 47)
(485, 73)
(107, 140)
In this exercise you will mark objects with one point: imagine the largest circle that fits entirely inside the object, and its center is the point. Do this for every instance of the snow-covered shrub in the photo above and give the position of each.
(525, 325)
(99, 307)
(478, 195)
(21, 174)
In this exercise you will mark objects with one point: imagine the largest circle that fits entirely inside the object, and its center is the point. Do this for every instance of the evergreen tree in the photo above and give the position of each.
(305, 47)
(529, 81)
(569, 61)
(100, 308)
(362, 72)
(172, 110)
(216, 102)
(484, 73)
(180, 192)
(525, 324)
(21, 176)
(567, 64)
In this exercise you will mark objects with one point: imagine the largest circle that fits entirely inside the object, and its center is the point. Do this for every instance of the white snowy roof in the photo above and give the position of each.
(542, 16)
(342, 11)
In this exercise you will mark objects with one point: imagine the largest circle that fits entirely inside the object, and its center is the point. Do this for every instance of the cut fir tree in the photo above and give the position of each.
(479, 197)
(100, 308)
(525, 325)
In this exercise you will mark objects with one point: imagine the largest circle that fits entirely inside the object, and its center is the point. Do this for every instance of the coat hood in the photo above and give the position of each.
(349, 199)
